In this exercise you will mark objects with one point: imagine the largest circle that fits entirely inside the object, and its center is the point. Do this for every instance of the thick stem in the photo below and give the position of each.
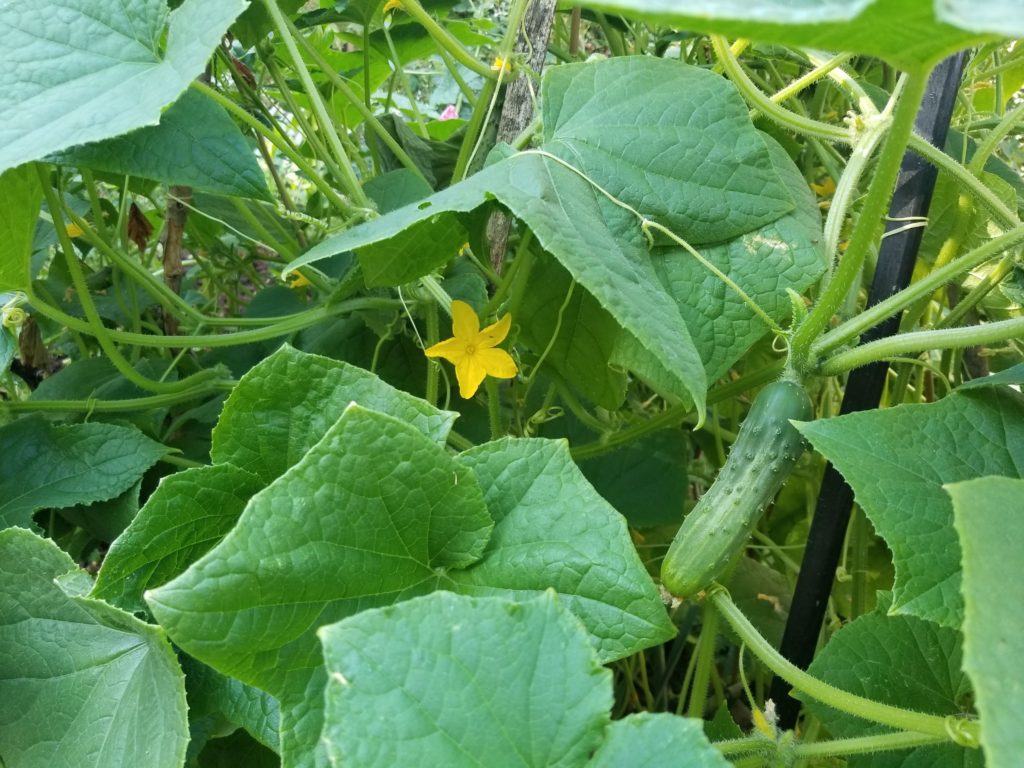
(283, 327)
(869, 222)
(765, 105)
(996, 135)
(127, 405)
(947, 338)
(850, 703)
(968, 181)
(924, 287)
(441, 36)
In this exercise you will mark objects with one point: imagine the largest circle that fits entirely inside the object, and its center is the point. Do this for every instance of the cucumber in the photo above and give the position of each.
(765, 452)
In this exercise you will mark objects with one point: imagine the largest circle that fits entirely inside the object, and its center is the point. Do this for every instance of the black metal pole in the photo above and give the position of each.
(896, 258)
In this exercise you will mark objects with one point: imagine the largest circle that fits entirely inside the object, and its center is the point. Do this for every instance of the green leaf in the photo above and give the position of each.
(375, 512)
(764, 263)
(395, 189)
(8, 346)
(105, 520)
(582, 349)
(903, 661)
(1012, 375)
(989, 517)
(20, 199)
(96, 377)
(78, 71)
(196, 144)
(287, 402)
(61, 466)
(81, 683)
(764, 595)
(552, 530)
(185, 517)
(1001, 17)
(255, 23)
(907, 33)
(459, 681)
(435, 159)
(657, 740)
(674, 142)
(646, 479)
(897, 460)
(211, 693)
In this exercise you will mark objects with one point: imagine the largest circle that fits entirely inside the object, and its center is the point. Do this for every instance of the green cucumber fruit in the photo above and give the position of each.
(765, 452)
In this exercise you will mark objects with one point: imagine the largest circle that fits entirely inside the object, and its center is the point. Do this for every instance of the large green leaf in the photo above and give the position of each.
(553, 530)
(907, 33)
(375, 512)
(81, 683)
(20, 198)
(903, 661)
(185, 516)
(657, 740)
(897, 460)
(287, 402)
(783, 255)
(989, 516)
(61, 466)
(674, 142)
(196, 144)
(77, 71)
(459, 681)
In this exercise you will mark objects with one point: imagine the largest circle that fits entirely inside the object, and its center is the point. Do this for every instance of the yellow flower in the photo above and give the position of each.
(500, 65)
(472, 351)
(392, 5)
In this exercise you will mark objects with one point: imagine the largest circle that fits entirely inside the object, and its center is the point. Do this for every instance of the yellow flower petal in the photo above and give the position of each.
(470, 374)
(465, 323)
(494, 334)
(452, 350)
(392, 5)
(497, 362)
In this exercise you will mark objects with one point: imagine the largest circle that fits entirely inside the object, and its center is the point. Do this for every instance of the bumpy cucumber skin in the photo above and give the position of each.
(765, 452)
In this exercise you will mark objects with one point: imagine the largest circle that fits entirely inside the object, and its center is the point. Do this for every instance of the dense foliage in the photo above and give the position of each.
(359, 362)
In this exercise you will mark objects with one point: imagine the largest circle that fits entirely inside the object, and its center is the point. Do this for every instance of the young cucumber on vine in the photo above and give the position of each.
(765, 452)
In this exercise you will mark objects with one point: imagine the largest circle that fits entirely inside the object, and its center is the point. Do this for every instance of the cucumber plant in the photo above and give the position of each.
(344, 423)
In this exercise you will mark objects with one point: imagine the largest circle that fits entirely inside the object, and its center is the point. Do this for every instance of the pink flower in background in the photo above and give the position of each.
(450, 113)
